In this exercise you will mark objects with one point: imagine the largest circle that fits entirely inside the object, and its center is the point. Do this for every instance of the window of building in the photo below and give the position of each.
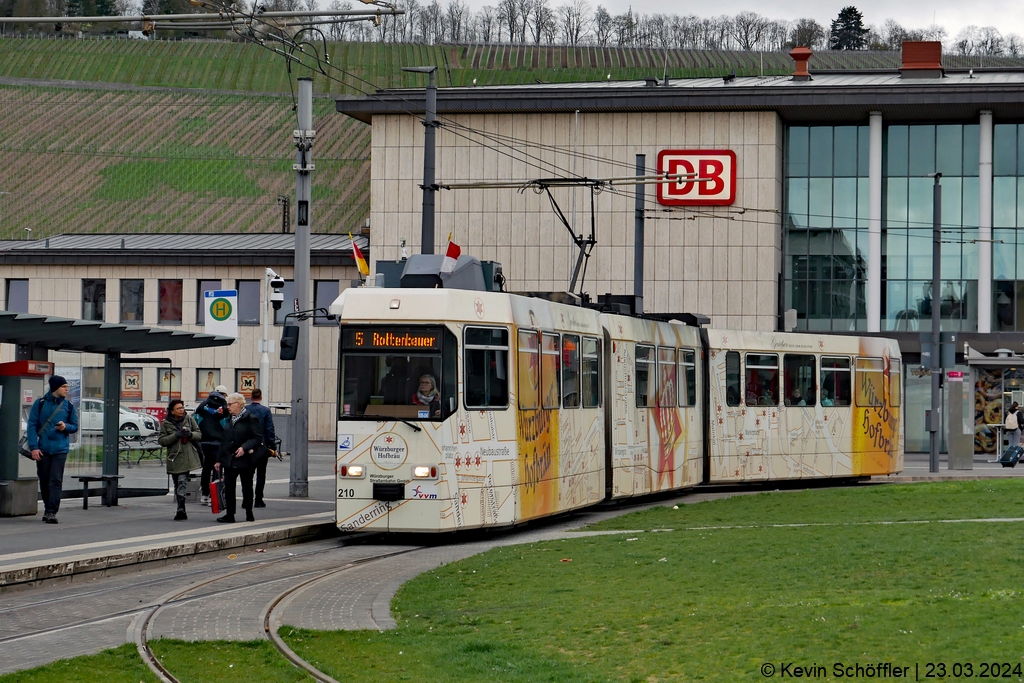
(204, 286)
(570, 371)
(16, 296)
(799, 379)
(733, 391)
(666, 377)
(169, 306)
(835, 381)
(248, 302)
(486, 365)
(133, 301)
(288, 306)
(528, 384)
(324, 294)
(688, 377)
(94, 299)
(591, 373)
(646, 376)
(762, 379)
(895, 380)
(870, 382)
(549, 370)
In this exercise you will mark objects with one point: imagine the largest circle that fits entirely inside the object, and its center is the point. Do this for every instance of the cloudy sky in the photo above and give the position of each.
(1006, 15)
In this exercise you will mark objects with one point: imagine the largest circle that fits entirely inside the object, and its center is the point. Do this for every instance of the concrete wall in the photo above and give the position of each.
(57, 290)
(718, 261)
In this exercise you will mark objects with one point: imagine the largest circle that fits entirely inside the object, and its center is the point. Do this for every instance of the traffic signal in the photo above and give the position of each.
(289, 342)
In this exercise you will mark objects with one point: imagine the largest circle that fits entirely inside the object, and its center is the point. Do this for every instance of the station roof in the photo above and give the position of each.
(829, 97)
(179, 248)
(66, 334)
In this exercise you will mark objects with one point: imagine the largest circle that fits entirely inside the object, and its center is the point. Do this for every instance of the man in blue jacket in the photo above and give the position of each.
(262, 414)
(51, 422)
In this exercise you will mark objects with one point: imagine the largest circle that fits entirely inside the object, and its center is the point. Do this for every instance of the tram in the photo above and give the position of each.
(463, 409)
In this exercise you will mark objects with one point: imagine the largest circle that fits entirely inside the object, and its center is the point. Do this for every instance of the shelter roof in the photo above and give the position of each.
(67, 334)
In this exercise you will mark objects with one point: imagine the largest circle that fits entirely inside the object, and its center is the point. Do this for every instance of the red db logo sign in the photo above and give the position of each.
(711, 181)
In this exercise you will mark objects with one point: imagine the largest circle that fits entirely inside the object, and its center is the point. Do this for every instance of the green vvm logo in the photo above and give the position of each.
(220, 309)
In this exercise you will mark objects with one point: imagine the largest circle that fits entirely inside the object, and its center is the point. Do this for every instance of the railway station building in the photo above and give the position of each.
(814, 194)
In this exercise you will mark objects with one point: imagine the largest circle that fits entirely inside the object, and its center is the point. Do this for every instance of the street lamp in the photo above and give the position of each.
(273, 294)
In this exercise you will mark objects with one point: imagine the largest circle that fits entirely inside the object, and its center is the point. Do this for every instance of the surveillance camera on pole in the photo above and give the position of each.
(273, 288)
(276, 292)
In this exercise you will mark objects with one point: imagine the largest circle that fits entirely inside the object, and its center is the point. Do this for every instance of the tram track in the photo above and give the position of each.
(142, 624)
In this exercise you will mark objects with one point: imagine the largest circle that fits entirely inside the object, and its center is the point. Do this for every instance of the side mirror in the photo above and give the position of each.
(289, 342)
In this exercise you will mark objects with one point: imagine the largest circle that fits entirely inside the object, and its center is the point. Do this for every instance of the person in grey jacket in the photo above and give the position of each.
(51, 422)
(240, 449)
(180, 435)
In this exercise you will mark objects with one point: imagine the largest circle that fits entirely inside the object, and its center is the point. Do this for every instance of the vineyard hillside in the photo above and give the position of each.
(193, 136)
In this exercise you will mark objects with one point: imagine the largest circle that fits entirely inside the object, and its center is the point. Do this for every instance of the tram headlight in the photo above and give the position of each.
(352, 471)
(424, 472)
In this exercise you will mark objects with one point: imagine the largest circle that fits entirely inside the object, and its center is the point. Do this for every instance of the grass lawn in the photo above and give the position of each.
(700, 602)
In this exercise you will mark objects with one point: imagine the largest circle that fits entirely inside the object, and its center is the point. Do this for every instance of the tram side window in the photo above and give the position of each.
(666, 377)
(645, 376)
(688, 378)
(895, 368)
(762, 379)
(570, 371)
(486, 366)
(549, 370)
(732, 378)
(799, 379)
(591, 373)
(835, 381)
(870, 381)
(529, 371)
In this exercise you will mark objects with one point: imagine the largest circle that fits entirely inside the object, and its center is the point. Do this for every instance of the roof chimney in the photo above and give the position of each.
(922, 59)
(801, 55)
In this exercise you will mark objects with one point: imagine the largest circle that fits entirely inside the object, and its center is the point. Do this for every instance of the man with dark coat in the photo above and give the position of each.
(240, 448)
(50, 423)
(210, 415)
(262, 413)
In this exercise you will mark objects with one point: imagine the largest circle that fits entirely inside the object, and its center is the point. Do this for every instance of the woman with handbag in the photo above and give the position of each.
(180, 435)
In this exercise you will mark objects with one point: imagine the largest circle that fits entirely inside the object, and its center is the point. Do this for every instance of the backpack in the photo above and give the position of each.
(1011, 423)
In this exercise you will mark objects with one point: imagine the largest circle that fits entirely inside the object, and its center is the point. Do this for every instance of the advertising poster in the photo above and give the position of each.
(247, 381)
(207, 380)
(170, 383)
(131, 383)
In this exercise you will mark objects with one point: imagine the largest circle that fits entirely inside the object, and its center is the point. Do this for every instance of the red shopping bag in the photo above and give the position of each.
(216, 493)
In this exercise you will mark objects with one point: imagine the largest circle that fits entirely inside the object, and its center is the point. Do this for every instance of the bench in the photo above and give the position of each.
(109, 493)
(129, 443)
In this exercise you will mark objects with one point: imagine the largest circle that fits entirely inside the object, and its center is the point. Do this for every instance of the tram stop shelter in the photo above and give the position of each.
(35, 336)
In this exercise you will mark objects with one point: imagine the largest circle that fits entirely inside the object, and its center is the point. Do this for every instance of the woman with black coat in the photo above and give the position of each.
(240, 449)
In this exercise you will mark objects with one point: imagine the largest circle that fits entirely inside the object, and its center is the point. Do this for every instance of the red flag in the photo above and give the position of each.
(451, 256)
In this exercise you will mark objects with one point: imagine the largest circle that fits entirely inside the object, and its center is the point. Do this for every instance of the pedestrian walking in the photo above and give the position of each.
(262, 413)
(1012, 425)
(210, 416)
(240, 448)
(51, 422)
(180, 434)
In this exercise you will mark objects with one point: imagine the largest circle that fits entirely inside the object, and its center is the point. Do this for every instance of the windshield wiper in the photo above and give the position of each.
(400, 419)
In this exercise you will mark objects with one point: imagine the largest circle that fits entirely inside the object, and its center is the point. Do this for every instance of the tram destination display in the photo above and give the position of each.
(391, 339)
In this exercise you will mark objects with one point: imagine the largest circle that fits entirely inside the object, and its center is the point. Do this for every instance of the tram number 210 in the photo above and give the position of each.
(346, 493)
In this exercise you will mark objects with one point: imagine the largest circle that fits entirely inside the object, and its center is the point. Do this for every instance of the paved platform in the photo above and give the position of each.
(142, 529)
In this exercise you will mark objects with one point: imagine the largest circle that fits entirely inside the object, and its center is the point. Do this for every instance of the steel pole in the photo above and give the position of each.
(264, 352)
(298, 484)
(429, 128)
(933, 446)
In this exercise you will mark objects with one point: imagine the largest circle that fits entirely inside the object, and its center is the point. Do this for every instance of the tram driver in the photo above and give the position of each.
(427, 395)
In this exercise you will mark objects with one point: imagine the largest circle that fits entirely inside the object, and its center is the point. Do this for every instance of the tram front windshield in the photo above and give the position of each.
(397, 372)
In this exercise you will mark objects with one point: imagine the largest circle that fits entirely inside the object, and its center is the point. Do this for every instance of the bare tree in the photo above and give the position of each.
(575, 21)
(508, 17)
(455, 16)
(487, 20)
(1014, 45)
(541, 19)
(807, 33)
(604, 26)
(749, 28)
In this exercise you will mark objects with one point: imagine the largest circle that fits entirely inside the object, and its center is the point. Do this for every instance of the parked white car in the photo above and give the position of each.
(91, 419)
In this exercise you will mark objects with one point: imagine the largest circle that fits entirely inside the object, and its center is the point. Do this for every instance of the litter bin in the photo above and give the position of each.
(282, 414)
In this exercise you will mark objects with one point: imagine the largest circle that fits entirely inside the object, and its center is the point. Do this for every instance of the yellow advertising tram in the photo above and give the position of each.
(463, 409)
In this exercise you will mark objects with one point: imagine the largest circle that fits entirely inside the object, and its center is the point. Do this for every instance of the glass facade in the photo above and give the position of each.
(1007, 218)
(826, 225)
